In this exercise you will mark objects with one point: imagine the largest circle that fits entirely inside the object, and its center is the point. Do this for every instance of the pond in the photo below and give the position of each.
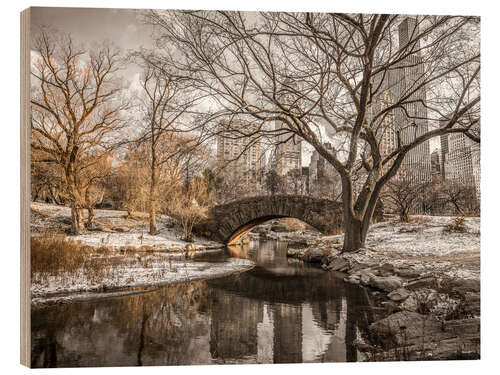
(281, 311)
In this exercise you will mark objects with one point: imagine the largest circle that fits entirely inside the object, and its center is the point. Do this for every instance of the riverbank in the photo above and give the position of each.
(116, 254)
(117, 230)
(127, 276)
(425, 277)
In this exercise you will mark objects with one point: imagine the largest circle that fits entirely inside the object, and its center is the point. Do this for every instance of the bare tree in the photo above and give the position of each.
(76, 110)
(190, 206)
(460, 196)
(165, 103)
(274, 182)
(402, 193)
(307, 71)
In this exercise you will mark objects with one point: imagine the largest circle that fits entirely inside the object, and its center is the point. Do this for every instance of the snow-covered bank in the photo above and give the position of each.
(141, 272)
(133, 258)
(118, 231)
(425, 246)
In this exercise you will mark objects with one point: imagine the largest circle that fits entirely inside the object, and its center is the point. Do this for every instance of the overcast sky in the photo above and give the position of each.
(122, 27)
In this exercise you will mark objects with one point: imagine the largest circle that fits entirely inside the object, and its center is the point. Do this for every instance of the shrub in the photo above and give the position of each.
(457, 225)
(53, 255)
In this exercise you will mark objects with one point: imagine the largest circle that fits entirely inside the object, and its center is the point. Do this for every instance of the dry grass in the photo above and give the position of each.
(53, 255)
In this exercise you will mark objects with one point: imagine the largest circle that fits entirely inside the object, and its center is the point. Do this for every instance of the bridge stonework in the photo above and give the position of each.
(227, 222)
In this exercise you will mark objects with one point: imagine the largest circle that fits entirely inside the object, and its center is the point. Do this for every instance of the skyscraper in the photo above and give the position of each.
(462, 160)
(239, 150)
(435, 164)
(410, 123)
(288, 151)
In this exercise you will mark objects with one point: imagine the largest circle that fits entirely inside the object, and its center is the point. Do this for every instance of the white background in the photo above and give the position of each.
(10, 181)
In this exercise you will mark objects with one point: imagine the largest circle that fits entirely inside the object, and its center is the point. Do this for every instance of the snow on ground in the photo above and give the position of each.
(48, 217)
(424, 245)
(150, 270)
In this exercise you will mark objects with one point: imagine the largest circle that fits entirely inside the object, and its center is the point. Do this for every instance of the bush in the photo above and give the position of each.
(457, 225)
(53, 255)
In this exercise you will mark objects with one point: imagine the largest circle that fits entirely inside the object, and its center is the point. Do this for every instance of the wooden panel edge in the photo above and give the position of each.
(25, 342)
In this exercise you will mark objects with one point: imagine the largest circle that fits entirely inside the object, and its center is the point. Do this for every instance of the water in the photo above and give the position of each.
(282, 311)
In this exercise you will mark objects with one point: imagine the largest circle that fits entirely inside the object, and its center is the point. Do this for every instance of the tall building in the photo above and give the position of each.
(444, 151)
(476, 169)
(461, 160)
(435, 164)
(239, 150)
(288, 151)
(411, 122)
(324, 180)
(385, 126)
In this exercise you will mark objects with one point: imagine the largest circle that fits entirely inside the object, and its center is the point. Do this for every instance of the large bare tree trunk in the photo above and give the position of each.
(357, 221)
(353, 234)
(76, 220)
(90, 216)
(152, 222)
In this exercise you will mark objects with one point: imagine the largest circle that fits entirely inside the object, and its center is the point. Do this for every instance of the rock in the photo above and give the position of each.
(399, 295)
(278, 228)
(356, 266)
(423, 282)
(466, 285)
(293, 253)
(403, 328)
(362, 346)
(407, 273)
(313, 255)
(366, 276)
(391, 307)
(338, 264)
(95, 227)
(421, 337)
(387, 284)
(422, 299)
(121, 228)
(386, 269)
(299, 243)
(351, 280)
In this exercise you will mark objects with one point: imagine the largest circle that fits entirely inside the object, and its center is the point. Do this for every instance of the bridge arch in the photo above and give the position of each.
(229, 221)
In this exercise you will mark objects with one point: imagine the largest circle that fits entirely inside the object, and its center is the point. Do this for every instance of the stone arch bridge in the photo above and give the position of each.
(227, 222)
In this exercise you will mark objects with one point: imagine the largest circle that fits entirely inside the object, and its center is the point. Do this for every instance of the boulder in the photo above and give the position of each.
(403, 328)
(338, 264)
(399, 295)
(365, 276)
(422, 337)
(351, 280)
(314, 255)
(278, 228)
(386, 269)
(422, 282)
(408, 273)
(387, 284)
(294, 253)
(466, 285)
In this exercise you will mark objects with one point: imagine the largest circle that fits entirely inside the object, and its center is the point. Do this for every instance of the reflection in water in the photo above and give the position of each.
(282, 311)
